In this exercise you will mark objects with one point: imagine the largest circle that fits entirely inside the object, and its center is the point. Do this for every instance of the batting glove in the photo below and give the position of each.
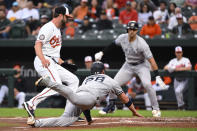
(160, 82)
(98, 56)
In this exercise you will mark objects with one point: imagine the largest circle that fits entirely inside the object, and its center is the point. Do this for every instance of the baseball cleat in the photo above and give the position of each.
(101, 112)
(80, 119)
(31, 121)
(156, 113)
(29, 109)
(42, 81)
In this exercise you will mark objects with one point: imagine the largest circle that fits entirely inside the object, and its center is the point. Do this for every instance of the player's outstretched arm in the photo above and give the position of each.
(128, 102)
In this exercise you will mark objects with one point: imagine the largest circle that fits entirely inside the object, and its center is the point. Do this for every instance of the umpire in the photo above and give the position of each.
(137, 58)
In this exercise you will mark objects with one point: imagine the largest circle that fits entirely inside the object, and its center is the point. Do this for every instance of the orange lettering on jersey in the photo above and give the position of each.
(54, 41)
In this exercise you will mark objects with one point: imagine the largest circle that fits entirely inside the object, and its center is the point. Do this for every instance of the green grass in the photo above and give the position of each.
(52, 112)
(139, 129)
(6, 125)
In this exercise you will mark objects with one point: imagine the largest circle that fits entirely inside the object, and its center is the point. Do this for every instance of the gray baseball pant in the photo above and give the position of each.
(143, 71)
(79, 100)
(179, 87)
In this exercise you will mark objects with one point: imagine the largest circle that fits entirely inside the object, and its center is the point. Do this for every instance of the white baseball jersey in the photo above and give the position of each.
(175, 63)
(50, 36)
(137, 87)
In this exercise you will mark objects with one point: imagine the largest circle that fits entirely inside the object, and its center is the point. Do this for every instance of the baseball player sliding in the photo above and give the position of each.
(93, 89)
(137, 55)
(48, 61)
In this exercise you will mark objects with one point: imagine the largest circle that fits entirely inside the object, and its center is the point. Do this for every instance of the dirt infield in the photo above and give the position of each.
(8, 124)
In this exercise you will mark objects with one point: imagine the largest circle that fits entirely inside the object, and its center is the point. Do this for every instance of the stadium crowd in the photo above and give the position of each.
(98, 18)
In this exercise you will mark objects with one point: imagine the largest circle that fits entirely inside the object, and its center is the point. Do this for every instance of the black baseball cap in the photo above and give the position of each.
(62, 10)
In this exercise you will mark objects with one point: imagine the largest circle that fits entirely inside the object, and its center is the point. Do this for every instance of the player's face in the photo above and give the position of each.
(179, 54)
(132, 32)
(63, 21)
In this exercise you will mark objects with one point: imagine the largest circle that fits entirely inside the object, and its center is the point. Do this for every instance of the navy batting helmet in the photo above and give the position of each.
(132, 25)
(97, 67)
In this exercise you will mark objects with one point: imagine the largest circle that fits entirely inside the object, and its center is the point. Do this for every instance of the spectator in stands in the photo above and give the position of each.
(104, 23)
(144, 14)
(22, 3)
(171, 9)
(111, 9)
(121, 3)
(4, 25)
(134, 5)
(179, 3)
(179, 63)
(173, 20)
(182, 28)
(94, 10)
(150, 4)
(43, 20)
(150, 29)
(15, 13)
(191, 3)
(70, 28)
(195, 68)
(31, 17)
(3, 7)
(193, 22)
(81, 11)
(19, 88)
(161, 14)
(86, 25)
(128, 14)
(88, 62)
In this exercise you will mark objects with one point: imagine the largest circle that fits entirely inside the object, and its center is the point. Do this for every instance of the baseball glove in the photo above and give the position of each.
(71, 67)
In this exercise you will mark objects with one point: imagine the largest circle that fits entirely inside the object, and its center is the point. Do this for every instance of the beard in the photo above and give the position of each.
(63, 24)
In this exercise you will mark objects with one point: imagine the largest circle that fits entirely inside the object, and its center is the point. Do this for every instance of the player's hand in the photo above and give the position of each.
(98, 56)
(138, 115)
(160, 82)
(45, 63)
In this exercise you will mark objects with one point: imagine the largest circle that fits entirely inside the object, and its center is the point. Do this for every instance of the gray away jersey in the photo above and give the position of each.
(100, 85)
(135, 51)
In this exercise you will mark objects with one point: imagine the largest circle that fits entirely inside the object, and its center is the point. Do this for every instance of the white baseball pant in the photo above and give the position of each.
(57, 74)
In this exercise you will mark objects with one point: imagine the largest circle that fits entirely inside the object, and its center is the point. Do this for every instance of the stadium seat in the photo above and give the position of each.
(18, 29)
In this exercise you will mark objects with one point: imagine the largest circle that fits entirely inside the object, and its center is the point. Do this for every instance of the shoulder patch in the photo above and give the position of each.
(42, 37)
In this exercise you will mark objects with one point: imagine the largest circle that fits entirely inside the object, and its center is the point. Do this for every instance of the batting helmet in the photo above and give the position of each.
(97, 67)
(132, 25)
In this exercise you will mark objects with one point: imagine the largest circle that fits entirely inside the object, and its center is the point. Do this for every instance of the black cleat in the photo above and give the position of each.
(29, 109)
(80, 119)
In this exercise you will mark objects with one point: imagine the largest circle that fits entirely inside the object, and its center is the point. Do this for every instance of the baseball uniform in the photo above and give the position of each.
(93, 89)
(136, 55)
(180, 83)
(50, 37)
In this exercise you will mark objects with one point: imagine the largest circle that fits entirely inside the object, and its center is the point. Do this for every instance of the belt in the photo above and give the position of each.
(137, 63)
(51, 58)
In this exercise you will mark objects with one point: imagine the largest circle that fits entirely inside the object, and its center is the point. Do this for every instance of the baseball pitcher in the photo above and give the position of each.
(137, 59)
(48, 61)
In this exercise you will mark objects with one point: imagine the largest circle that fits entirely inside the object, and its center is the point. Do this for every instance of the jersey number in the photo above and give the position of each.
(54, 41)
(98, 79)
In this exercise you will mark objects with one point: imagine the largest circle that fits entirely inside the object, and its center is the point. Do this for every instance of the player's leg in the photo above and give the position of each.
(147, 101)
(52, 73)
(143, 72)
(84, 100)
(178, 88)
(21, 99)
(67, 77)
(3, 92)
(123, 76)
(67, 118)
